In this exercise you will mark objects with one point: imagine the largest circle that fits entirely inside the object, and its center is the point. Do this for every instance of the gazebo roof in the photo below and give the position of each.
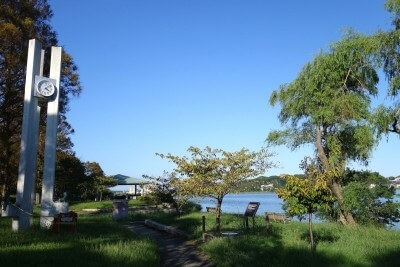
(126, 180)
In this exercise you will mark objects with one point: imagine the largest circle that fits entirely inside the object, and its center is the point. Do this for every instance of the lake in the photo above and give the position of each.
(269, 201)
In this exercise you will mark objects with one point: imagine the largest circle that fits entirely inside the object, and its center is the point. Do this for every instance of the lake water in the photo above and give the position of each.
(237, 203)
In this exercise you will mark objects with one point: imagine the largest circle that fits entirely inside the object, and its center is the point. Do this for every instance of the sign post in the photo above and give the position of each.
(251, 211)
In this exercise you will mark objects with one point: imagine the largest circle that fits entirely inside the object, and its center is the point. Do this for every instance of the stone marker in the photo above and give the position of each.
(120, 209)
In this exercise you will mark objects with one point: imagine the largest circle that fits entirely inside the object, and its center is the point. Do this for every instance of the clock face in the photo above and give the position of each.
(46, 88)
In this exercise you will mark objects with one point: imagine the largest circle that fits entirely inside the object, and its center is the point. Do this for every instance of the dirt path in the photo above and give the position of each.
(173, 251)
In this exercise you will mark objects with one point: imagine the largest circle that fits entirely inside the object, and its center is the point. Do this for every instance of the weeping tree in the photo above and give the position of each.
(387, 118)
(214, 172)
(327, 105)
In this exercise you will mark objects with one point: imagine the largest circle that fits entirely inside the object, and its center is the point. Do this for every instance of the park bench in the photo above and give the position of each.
(277, 217)
(69, 219)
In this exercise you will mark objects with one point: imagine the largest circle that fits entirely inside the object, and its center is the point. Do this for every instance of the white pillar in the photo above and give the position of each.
(48, 206)
(28, 154)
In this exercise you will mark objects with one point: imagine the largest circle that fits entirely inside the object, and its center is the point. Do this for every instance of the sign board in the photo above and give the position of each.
(251, 209)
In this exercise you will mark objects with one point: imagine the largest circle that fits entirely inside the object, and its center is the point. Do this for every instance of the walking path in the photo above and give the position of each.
(173, 251)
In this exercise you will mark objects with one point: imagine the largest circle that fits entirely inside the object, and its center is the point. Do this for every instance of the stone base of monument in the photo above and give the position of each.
(49, 210)
(120, 209)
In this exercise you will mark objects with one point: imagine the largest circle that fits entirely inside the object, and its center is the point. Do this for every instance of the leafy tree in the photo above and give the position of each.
(307, 196)
(214, 172)
(387, 118)
(70, 173)
(96, 182)
(369, 196)
(20, 21)
(327, 105)
(166, 190)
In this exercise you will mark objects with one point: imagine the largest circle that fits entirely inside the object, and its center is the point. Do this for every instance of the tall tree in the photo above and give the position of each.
(214, 172)
(327, 105)
(387, 118)
(96, 182)
(21, 20)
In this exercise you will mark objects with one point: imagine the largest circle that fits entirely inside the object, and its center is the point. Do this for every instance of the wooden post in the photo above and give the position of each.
(203, 224)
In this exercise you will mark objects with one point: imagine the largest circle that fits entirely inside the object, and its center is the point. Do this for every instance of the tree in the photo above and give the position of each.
(70, 173)
(96, 182)
(214, 172)
(327, 105)
(307, 196)
(166, 188)
(387, 118)
(369, 196)
(20, 21)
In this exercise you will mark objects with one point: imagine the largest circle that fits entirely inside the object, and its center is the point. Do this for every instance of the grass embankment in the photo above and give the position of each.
(287, 244)
(99, 241)
(106, 204)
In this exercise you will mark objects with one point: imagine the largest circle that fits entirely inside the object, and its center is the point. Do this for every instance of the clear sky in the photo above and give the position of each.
(160, 76)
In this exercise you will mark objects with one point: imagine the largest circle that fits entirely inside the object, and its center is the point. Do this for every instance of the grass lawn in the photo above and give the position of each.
(106, 204)
(287, 244)
(99, 241)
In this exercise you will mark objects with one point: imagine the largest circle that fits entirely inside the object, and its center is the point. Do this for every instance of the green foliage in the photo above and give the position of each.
(96, 183)
(165, 190)
(19, 22)
(370, 204)
(306, 195)
(215, 172)
(331, 92)
(70, 173)
(149, 199)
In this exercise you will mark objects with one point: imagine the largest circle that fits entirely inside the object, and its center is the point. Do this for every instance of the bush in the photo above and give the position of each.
(149, 199)
(371, 205)
(190, 207)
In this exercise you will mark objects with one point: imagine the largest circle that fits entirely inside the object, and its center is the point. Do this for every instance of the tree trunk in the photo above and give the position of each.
(337, 192)
(3, 198)
(312, 246)
(176, 206)
(218, 216)
(334, 186)
(101, 195)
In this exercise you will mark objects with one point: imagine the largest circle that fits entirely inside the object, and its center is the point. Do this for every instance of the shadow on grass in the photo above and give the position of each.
(97, 242)
(390, 259)
(251, 250)
(320, 236)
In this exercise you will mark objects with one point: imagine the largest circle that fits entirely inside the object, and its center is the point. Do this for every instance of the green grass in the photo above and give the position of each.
(99, 241)
(287, 244)
(106, 204)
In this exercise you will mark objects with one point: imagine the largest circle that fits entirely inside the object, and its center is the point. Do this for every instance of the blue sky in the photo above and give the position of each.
(160, 76)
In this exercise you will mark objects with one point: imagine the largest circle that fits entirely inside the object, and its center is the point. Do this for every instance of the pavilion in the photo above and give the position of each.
(126, 180)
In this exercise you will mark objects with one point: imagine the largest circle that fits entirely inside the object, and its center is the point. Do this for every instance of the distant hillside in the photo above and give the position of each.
(254, 185)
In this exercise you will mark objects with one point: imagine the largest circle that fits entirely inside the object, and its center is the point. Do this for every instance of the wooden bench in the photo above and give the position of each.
(69, 219)
(277, 217)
